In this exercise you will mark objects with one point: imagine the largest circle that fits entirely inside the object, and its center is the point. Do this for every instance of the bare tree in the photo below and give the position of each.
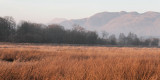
(112, 39)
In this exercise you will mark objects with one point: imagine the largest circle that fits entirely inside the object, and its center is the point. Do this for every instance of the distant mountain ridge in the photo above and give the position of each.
(143, 24)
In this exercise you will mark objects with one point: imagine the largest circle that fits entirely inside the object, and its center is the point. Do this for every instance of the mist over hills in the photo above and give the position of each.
(58, 20)
(142, 24)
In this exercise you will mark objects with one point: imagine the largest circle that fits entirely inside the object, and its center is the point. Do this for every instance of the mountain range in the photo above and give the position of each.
(143, 24)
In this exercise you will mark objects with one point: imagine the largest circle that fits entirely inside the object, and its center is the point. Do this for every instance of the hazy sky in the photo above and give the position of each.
(46, 10)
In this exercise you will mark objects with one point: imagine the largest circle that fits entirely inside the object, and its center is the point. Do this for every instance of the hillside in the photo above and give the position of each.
(143, 24)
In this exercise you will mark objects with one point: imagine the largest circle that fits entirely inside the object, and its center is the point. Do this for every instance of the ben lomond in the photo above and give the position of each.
(143, 24)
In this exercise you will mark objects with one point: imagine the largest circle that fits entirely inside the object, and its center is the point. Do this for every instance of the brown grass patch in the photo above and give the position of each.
(31, 62)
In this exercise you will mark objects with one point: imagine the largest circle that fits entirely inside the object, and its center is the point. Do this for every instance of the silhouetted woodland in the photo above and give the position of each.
(28, 32)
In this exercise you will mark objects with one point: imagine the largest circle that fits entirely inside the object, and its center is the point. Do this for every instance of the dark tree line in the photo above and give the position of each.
(28, 32)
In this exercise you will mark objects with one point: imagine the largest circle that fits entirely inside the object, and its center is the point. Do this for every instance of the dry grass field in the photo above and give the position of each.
(46, 62)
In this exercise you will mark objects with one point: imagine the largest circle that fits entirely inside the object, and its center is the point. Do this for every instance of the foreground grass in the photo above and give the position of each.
(31, 62)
